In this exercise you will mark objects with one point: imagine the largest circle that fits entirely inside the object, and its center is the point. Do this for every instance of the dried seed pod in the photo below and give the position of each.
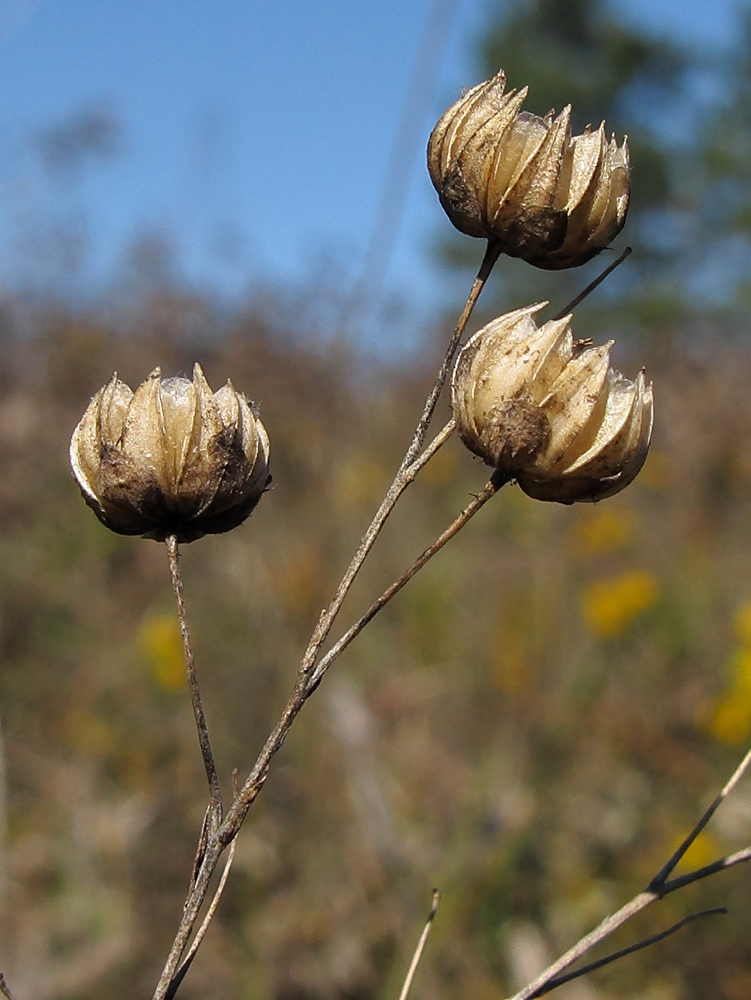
(171, 458)
(550, 412)
(552, 199)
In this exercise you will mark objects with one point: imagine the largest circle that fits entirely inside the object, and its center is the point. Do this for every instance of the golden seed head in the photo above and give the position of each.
(550, 412)
(553, 199)
(171, 457)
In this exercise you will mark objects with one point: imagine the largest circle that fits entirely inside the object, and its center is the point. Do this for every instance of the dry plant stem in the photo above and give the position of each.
(593, 284)
(492, 487)
(5, 989)
(411, 464)
(420, 946)
(195, 693)
(201, 932)
(661, 877)
(658, 887)
(304, 687)
(601, 962)
(402, 477)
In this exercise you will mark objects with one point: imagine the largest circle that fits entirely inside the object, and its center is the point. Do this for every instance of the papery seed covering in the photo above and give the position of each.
(549, 411)
(171, 457)
(553, 199)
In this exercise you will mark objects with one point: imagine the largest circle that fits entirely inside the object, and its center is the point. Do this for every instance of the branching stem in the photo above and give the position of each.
(411, 464)
(659, 887)
(407, 469)
(623, 952)
(304, 687)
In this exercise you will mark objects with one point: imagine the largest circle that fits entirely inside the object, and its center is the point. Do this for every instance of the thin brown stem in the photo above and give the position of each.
(191, 909)
(657, 889)
(411, 464)
(420, 946)
(603, 930)
(406, 471)
(661, 877)
(492, 487)
(212, 777)
(593, 284)
(5, 989)
(201, 932)
(203, 839)
(306, 685)
(614, 956)
(721, 865)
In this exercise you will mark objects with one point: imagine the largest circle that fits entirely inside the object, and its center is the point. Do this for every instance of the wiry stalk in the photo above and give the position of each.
(411, 464)
(658, 887)
(420, 946)
(212, 777)
(403, 477)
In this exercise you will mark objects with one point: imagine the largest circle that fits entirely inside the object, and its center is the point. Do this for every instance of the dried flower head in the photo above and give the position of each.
(170, 458)
(552, 199)
(549, 411)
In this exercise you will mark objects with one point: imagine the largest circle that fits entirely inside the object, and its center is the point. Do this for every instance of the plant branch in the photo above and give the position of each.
(661, 877)
(201, 932)
(420, 946)
(492, 487)
(304, 687)
(658, 887)
(405, 473)
(593, 284)
(614, 956)
(721, 865)
(212, 777)
(5, 989)
(411, 464)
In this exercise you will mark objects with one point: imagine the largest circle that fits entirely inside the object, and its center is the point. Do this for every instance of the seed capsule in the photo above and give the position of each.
(171, 458)
(550, 412)
(501, 173)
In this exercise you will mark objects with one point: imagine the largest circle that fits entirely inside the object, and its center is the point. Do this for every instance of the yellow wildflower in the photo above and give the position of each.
(611, 605)
(160, 641)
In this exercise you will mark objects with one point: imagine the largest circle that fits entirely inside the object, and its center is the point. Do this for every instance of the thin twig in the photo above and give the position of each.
(203, 837)
(721, 865)
(5, 989)
(304, 687)
(411, 464)
(407, 476)
(593, 284)
(657, 889)
(420, 946)
(402, 477)
(212, 777)
(614, 956)
(492, 487)
(201, 932)
(661, 877)
(604, 929)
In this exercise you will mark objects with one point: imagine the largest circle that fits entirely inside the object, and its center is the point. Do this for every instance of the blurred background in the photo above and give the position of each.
(536, 720)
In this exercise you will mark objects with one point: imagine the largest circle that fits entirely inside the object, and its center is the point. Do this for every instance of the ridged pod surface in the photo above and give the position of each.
(553, 199)
(171, 458)
(549, 411)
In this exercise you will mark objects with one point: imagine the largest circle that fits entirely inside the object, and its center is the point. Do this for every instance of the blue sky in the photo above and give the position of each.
(254, 137)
